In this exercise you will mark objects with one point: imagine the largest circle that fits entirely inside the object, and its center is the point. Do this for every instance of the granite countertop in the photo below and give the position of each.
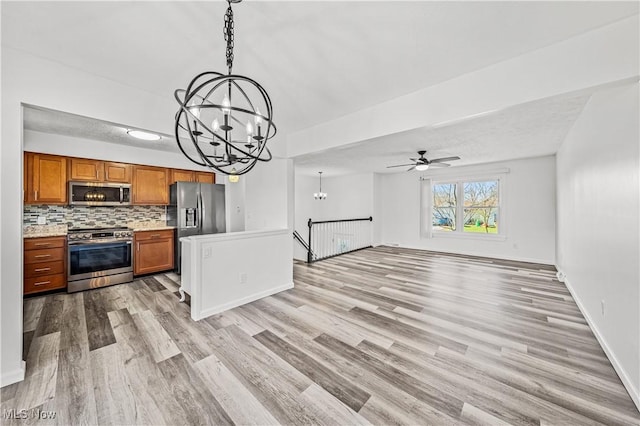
(41, 231)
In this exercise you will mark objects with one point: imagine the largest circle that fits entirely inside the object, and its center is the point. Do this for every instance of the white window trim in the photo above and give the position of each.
(427, 205)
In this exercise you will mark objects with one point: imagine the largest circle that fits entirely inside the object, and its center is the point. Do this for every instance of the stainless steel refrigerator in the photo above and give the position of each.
(195, 209)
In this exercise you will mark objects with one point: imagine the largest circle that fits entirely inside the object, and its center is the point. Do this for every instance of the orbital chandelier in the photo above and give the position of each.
(224, 120)
(320, 195)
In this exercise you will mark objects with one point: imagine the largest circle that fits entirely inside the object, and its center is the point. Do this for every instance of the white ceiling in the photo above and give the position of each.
(318, 60)
(527, 130)
(47, 120)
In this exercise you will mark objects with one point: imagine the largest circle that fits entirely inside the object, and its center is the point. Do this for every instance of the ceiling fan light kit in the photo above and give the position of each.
(422, 163)
(225, 120)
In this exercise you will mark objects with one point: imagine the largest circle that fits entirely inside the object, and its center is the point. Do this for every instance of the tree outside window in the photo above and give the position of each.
(444, 207)
(481, 202)
(466, 206)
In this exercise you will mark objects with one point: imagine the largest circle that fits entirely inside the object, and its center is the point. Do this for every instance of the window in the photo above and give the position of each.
(465, 206)
(481, 204)
(444, 207)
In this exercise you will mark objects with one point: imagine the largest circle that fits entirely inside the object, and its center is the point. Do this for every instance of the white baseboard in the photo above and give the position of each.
(624, 377)
(239, 302)
(476, 254)
(14, 376)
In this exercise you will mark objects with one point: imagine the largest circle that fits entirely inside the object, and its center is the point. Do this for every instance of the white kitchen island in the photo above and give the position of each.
(222, 271)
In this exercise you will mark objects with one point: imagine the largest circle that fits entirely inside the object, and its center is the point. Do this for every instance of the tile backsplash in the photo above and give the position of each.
(91, 217)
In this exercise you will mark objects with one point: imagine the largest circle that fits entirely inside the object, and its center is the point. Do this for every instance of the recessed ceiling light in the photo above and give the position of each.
(139, 134)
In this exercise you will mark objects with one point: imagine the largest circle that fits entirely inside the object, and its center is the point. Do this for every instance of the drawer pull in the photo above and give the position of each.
(42, 269)
(42, 244)
(42, 283)
(40, 256)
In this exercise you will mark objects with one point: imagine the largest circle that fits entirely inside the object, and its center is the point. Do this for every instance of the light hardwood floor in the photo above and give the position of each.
(382, 336)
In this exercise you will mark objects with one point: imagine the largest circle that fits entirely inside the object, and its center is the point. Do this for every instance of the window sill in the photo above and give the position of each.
(468, 236)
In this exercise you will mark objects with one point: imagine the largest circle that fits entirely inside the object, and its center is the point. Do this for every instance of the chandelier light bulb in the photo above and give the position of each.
(249, 128)
(195, 111)
(215, 125)
(226, 105)
(258, 118)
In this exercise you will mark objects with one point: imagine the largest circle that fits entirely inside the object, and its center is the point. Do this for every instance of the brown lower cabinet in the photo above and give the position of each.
(44, 264)
(153, 251)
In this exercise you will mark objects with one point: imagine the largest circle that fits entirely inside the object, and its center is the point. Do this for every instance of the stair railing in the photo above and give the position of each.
(329, 238)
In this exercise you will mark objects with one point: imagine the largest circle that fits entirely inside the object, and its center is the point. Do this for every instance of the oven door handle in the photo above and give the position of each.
(93, 243)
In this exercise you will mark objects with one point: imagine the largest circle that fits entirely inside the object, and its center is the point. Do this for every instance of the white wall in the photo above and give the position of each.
(268, 195)
(529, 212)
(235, 203)
(598, 215)
(348, 197)
(223, 271)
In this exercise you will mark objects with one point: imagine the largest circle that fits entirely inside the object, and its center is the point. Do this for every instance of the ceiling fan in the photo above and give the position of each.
(421, 163)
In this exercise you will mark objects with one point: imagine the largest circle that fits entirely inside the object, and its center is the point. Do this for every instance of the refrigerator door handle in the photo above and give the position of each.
(199, 213)
(202, 212)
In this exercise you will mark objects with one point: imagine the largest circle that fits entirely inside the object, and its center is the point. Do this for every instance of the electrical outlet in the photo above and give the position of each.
(163, 217)
(206, 252)
(602, 306)
(243, 278)
(42, 220)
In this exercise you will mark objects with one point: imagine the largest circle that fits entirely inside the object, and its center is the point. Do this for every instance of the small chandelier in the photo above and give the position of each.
(320, 195)
(226, 117)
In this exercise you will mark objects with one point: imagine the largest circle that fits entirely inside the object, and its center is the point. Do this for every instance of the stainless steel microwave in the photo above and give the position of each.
(99, 194)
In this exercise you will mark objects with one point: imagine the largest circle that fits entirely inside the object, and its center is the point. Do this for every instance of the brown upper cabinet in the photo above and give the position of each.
(205, 177)
(178, 175)
(100, 171)
(150, 185)
(182, 176)
(45, 179)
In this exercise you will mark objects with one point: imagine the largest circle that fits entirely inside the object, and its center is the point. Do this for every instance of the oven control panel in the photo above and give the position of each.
(102, 234)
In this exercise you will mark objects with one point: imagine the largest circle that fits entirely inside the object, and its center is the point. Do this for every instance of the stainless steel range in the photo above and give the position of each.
(99, 257)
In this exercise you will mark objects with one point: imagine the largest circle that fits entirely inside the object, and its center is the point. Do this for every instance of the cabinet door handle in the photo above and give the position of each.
(40, 256)
(42, 244)
(138, 247)
(155, 236)
(42, 269)
(35, 195)
(42, 283)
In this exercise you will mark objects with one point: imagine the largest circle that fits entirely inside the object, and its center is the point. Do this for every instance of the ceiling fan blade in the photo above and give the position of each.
(439, 165)
(401, 165)
(442, 160)
(411, 168)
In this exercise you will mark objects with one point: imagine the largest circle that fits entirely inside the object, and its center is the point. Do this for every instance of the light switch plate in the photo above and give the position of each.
(206, 252)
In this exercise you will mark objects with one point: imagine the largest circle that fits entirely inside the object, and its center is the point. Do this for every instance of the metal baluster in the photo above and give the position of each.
(324, 239)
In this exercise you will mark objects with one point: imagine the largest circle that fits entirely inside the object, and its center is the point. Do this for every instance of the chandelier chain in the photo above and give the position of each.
(228, 36)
